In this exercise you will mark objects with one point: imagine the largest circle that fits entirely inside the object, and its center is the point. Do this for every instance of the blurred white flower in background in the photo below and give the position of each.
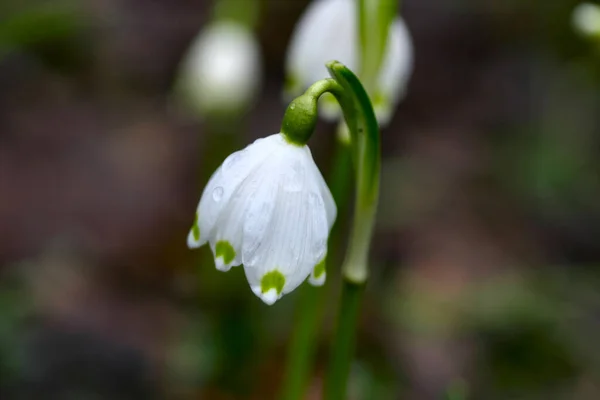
(328, 31)
(586, 19)
(267, 207)
(221, 71)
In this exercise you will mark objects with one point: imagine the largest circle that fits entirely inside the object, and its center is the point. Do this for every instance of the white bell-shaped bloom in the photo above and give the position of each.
(586, 19)
(221, 71)
(328, 31)
(267, 207)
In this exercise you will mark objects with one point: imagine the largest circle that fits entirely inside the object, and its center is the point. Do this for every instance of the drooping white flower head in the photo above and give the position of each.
(221, 71)
(328, 30)
(267, 207)
(586, 19)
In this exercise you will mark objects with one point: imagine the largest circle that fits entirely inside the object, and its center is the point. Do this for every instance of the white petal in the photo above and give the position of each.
(317, 281)
(296, 238)
(193, 238)
(325, 194)
(229, 227)
(318, 274)
(270, 296)
(395, 71)
(224, 182)
(326, 31)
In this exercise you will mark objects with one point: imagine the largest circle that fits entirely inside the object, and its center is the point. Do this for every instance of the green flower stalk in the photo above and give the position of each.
(368, 36)
(298, 124)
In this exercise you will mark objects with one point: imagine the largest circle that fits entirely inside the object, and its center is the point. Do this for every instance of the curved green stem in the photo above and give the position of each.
(298, 125)
(365, 142)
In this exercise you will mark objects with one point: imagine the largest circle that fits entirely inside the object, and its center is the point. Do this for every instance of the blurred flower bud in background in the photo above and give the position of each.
(221, 72)
(328, 30)
(586, 19)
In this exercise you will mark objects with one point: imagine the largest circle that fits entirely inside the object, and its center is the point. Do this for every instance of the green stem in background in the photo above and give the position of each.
(304, 341)
(244, 12)
(374, 20)
(342, 350)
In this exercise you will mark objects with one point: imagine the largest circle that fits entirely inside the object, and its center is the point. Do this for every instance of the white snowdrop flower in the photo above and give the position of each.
(221, 71)
(586, 19)
(328, 30)
(267, 207)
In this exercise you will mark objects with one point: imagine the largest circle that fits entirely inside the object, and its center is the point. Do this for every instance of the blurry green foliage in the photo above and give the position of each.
(52, 31)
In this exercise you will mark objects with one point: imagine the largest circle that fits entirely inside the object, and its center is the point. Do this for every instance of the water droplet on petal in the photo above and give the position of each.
(231, 161)
(217, 193)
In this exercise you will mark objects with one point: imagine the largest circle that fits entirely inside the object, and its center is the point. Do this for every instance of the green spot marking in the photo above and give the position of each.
(319, 268)
(272, 280)
(196, 228)
(225, 250)
(379, 99)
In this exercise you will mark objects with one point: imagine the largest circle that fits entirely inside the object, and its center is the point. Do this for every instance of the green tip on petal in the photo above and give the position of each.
(225, 250)
(379, 99)
(319, 269)
(196, 229)
(272, 280)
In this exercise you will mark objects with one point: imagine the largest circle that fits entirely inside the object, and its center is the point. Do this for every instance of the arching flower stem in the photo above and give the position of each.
(365, 147)
(297, 127)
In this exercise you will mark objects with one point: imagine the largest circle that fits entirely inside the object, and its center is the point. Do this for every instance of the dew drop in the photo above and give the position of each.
(254, 260)
(217, 193)
(313, 199)
(232, 160)
(292, 106)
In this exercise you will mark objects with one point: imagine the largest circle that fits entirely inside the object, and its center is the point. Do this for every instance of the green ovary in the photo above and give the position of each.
(272, 280)
(319, 268)
(225, 250)
(196, 229)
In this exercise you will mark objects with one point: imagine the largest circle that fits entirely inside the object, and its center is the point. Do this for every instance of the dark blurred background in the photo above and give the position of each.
(485, 264)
